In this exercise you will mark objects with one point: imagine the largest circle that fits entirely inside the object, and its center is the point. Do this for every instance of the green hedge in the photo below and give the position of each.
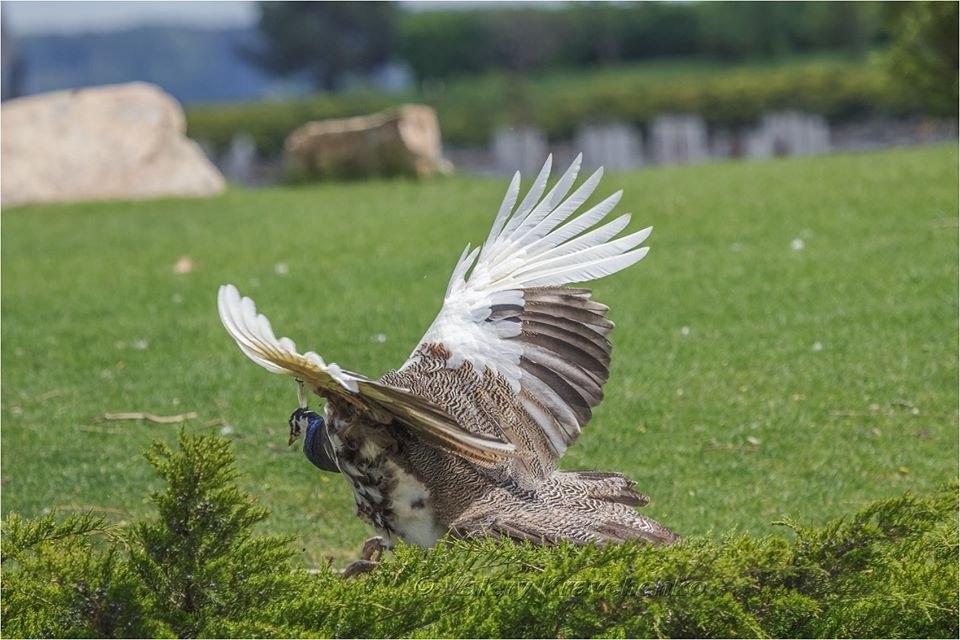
(198, 569)
(471, 108)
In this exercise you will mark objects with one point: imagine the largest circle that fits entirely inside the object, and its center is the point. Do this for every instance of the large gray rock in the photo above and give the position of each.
(114, 142)
(401, 141)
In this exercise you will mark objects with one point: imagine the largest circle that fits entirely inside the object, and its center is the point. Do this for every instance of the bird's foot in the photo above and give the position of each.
(372, 547)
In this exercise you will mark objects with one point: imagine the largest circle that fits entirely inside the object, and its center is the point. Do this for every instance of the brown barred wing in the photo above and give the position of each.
(516, 350)
(564, 359)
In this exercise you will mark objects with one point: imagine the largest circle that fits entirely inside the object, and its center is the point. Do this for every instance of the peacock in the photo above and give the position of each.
(464, 438)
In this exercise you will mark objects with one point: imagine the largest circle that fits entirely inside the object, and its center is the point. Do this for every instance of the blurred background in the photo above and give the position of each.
(630, 84)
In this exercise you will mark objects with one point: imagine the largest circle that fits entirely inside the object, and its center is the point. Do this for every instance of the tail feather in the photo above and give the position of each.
(607, 486)
(580, 507)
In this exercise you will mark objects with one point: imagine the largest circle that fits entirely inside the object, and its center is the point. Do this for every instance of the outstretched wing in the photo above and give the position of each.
(254, 335)
(513, 353)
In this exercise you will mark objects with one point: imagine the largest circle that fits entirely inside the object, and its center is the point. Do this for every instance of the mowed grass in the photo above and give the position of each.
(752, 378)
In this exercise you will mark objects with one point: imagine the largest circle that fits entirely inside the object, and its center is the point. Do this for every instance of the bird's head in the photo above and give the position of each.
(303, 421)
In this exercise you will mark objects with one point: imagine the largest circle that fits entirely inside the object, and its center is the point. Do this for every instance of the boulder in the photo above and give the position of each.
(114, 142)
(404, 140)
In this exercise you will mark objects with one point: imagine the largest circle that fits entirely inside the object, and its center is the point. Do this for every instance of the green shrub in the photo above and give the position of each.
(59, 581)
(471, 108)
(198, 569)
(200, 557)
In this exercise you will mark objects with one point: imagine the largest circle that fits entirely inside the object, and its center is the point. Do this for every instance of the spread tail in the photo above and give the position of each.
(576, 506)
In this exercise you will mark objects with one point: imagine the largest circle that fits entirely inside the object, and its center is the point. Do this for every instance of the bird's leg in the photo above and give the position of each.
(372, 547)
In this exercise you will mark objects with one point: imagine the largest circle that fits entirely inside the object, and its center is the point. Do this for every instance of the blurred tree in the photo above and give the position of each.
(841, 26)
(445, 43)
(924, 56)
(438, 44)
(605, 33)
(599, 36)
(756, 29)
(742, 29)
(325, 40)
(525, 40)
(653, 29)
(11, 64)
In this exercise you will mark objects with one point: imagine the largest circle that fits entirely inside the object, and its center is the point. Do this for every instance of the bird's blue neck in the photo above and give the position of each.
(313, 438)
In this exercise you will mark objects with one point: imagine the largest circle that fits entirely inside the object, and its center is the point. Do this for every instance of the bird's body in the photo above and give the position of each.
(411, 490)
(464, 438)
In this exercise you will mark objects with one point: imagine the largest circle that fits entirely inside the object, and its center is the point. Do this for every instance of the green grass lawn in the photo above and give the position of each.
(750, 380)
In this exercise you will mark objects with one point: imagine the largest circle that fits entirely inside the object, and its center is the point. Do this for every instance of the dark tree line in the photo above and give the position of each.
(325, 40)
(328, 40)
(446, 43)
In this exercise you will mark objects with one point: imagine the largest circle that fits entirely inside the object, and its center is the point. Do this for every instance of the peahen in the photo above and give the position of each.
(463, 439)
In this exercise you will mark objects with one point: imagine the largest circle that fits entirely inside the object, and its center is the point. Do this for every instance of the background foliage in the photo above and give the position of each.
(560, 68)
(443, 44)
(324, 40)
(471, 108)
(198, 569)
(453, 42)
(925, 53)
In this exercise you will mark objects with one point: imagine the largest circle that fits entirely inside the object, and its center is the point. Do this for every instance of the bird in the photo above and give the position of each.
(463, 440)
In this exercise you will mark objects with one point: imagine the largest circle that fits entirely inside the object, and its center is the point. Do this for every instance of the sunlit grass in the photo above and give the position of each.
(751, 379)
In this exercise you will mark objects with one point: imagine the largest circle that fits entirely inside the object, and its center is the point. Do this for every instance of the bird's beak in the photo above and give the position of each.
(293, 438)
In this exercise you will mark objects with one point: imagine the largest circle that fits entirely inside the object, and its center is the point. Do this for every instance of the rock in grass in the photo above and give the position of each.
(114, 142)
(400, 141)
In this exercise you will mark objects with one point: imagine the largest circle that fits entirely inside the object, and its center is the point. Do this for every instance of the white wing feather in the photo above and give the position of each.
(535, 244)
(538, 243)
(254, 335)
